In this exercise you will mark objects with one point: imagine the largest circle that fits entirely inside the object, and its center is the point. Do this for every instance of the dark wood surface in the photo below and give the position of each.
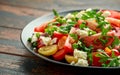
(15, 15)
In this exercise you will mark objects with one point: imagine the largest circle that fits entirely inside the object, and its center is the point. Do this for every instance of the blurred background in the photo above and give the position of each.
(40, 7)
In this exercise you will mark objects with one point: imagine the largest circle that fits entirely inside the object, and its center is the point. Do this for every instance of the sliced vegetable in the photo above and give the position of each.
(70, 59)
(61, 42)
(59, 55)
(48, 50)
(68, 46)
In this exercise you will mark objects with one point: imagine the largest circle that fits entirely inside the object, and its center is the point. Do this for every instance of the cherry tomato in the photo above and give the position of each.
(68, 46)
(78, 23)
(96, 59)
(40, 43)
(59, 55)
(61, 42)
(114, 14)
(116, 52)
(58, 35)
(40, 28)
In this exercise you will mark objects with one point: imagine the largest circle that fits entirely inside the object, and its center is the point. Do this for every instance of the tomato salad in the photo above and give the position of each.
(89, 37)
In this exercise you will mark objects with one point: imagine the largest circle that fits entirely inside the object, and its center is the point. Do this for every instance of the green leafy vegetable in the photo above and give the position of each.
(55, 13)
(74, 36)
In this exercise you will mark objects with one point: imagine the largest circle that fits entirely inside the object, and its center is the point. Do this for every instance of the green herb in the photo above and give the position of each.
(63, 31)
(104, 58)
(91, 32)
(83, 25)
(74, 36)
(50, 30)
(115, 42)
(82, 46)
(89, 14)
(61, 20)
(75, 46)
(53, 23)
(65, 28)
(75, 13)
(29, 39)
(105, 30)
(37, 35)
(55, 13)
(34, 44)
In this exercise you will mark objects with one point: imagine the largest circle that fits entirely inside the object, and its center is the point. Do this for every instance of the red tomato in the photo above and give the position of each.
(40, 43)
(68, 46)
(60, 55)
(96, 59)
(61, 42)
(114, 14)
(110, 41)
(117, 29)
(90, 40)
(116, 52)
(78, 23)
(58, 35)
(40, 28)
(113, 21)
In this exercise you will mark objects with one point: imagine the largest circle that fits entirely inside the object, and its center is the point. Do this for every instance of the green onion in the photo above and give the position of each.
(55, 13)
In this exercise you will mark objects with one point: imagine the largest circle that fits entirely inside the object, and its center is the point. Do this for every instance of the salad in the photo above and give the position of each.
(89, 37)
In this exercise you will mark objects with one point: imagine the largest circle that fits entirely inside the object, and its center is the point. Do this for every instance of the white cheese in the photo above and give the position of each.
(79, 15)
(82, 62)
(89, 9)
(69, 15)
(46, 40)
(106, 13)
(34, 38)
(82, 33)
(54, 40)
(80, 54)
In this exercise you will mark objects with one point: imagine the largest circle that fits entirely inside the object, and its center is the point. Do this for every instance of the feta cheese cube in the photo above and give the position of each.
(82, 62)
(80, 54)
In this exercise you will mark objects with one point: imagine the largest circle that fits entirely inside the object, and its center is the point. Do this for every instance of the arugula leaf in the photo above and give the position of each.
(75, 46)
(37, 35)
(83, 25)
(51, 29)
(74, 36)
(115, 42)
(29, 39)
(55, 13)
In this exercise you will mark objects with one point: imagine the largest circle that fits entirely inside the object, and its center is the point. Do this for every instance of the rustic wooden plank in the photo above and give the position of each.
(10, 42)
(13, 20)
(22, 11)
(64, 4)
(15, 65)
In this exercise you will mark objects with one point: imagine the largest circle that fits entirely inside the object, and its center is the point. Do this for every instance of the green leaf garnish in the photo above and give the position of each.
(55, 13)
(74, 36)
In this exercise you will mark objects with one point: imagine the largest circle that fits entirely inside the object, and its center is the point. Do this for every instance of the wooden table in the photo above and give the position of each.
(15, 15)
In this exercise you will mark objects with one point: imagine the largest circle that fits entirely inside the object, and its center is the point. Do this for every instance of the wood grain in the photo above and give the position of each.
(48, 5)
(15, 59)
(22, 11)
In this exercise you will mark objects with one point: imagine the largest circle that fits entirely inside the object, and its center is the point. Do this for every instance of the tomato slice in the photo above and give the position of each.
(114, 14)
(40, 28)
(61, 42)
(68, 46)
(59, 55)
(78, 23)
(95, 61)
(58, 35)
(40, 43)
